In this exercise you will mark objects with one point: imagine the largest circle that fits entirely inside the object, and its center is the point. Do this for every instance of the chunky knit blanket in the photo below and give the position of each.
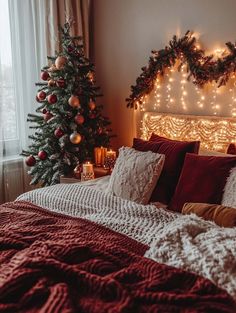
(140, 222)
(186, 242)
(53, 263)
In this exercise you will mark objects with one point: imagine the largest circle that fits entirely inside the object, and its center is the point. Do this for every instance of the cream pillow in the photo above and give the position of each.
(229, 195)
(135, 174)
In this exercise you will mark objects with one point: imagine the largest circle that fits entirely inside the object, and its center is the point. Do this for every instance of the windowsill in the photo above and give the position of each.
(10, 159)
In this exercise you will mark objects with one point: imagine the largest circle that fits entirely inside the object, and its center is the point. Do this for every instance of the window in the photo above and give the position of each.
(9, 134)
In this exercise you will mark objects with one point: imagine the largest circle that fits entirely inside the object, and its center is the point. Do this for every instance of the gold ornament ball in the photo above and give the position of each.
(52, 68)
(51, 83)
(74, 102)
(60, 62)
(92, 105)
(75, 138)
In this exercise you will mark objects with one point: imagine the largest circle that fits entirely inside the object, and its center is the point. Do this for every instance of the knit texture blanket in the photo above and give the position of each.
(186, 242)
(199, 246)
(53, 263)
(140, 222)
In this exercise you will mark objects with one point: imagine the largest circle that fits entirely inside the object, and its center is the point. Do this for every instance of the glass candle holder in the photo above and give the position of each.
(87, 171)
(87, 176)
(110, 160)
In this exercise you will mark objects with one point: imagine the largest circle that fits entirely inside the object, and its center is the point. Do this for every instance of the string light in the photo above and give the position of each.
(169, 98)
(233, 97)
(157, 94)
(142, 104)
(183, 87)
(215, 133)
(214, 105)
(201, 98)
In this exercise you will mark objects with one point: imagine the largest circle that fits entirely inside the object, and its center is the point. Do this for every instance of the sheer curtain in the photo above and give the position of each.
(28, 33)
(23, 42)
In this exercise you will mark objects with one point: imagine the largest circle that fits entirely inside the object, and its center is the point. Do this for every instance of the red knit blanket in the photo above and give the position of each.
(52, 263)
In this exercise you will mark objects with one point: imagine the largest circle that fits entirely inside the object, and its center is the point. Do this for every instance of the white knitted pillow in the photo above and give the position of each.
(135, 174)
(229, 195)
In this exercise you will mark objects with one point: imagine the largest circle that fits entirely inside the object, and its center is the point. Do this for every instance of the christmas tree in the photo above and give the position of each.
(69, 123)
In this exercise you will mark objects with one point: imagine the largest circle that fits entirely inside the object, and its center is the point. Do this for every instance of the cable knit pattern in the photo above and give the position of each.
(229, 196)
(185, 242)
(135, 174)
(199, 246)
(140, 222)
(50, 263)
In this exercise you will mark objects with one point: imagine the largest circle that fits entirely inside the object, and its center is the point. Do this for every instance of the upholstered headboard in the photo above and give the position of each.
(215, 133)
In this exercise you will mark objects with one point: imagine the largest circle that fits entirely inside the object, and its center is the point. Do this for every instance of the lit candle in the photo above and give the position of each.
(111, 154)
(87, 168)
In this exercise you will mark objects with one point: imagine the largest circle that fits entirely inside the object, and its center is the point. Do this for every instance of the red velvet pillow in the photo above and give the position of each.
(202, 180)
(174, 152)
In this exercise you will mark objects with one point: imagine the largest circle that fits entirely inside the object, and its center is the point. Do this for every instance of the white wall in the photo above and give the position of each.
(125, 31)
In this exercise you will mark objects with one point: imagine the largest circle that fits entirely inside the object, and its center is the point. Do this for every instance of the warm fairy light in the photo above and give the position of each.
(214, 105)
(157, 94)
(183, 91)
(142, 103)
(215, 133)
(169, 98)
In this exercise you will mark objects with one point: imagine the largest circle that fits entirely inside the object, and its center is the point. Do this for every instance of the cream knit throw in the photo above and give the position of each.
(140, 222)
(198, 246)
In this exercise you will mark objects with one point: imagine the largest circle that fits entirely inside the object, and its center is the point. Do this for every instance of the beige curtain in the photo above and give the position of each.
(60, 11)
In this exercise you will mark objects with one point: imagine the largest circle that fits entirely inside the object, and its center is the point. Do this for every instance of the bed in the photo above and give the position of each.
(77, 248)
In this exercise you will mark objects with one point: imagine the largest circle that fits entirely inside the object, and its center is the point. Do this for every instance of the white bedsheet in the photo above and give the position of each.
(186, 242)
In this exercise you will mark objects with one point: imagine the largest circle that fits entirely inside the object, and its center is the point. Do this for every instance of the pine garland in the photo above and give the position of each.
(201, 69)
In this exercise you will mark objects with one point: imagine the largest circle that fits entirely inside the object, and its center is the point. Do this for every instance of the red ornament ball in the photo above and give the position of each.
(30, 160)
(58, 132)
(47, 116)
(60, 83)
(41, 95)
(44, 111)
(52, 99)
(70, 49)
(42, 155)
(79, 119)
(44, 75)
(92, 115)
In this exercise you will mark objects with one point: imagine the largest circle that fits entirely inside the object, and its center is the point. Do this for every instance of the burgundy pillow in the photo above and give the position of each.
(174, 152)
(202, 180)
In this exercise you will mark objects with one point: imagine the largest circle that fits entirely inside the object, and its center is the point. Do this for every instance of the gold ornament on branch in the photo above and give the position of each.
(52, 68)
(92, 105)
(75, 138)
(60, 62)
(51, 83)
(74, 102)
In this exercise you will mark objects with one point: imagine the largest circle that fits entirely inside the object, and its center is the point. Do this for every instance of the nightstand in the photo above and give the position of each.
(70, 179)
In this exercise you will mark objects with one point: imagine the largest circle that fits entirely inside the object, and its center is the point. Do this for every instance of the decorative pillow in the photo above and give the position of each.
(202, 180)
(174, 152)
(135, 174)
(221, 215)
(229, 195)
